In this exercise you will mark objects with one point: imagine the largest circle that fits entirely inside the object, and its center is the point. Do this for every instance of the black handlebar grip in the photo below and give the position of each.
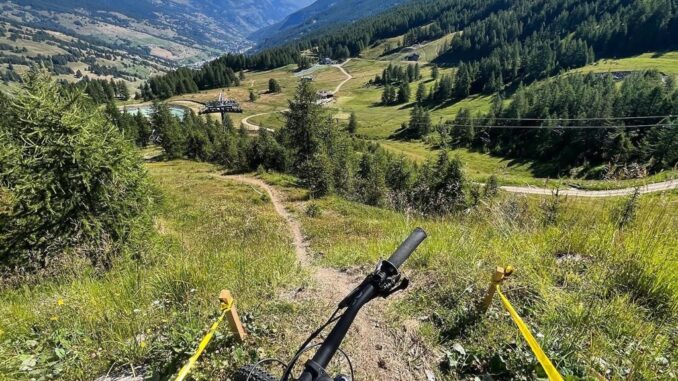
(407, 247)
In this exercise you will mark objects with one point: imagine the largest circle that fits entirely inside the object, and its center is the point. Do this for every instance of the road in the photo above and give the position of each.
(253, 127)
(348, 76)
(650, 188)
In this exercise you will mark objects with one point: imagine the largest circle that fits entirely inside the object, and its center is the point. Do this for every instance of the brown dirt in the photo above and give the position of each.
(380, 350)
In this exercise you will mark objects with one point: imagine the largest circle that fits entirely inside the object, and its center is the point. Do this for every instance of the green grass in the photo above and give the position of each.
(665, 62)
(601, 300)
(153, 306)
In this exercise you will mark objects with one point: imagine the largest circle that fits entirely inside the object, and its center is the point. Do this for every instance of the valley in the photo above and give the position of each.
(156, 152)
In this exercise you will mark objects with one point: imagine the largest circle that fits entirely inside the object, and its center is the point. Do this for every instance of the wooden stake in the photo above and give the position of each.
(233, 319)
(497, 277)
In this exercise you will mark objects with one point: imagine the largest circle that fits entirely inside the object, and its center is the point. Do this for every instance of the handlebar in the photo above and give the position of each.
(381, 283)
(407, 247)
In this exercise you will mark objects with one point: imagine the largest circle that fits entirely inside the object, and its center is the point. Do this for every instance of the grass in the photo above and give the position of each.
(601, 300)
(156, 302)
(480, 166)
(665, 62)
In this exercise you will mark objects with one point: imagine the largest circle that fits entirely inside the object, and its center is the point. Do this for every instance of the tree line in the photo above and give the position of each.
(565, 103)
(326, 159)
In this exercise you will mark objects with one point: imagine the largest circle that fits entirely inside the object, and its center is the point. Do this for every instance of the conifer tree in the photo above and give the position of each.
(352, 124)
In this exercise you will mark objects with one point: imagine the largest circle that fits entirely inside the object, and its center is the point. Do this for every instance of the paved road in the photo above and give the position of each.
(650, 188)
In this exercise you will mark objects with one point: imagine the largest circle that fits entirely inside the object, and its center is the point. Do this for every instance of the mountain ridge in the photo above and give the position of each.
(320, 14)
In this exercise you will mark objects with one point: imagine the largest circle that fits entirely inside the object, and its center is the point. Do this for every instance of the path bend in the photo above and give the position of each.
(379, 350)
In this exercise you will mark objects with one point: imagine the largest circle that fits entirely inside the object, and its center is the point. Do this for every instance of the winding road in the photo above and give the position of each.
(254, 127)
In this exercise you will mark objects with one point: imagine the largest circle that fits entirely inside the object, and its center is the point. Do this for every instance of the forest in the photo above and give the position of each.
(578, 121)
(502, 41)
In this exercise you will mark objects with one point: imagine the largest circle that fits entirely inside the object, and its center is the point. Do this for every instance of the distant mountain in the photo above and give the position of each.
(320, 15)
(170, 29)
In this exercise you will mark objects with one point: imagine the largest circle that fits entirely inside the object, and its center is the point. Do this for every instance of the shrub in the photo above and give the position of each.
(68, 178)
(313, 210)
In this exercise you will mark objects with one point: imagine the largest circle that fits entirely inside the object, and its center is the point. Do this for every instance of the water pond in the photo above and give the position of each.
(147, 111)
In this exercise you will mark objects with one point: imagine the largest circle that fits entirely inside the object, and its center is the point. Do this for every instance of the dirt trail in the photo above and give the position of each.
(378, 350)
(650, 188)
(348, 76)
(251, 126)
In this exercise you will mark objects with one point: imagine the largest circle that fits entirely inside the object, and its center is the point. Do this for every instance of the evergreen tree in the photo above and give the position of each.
(404, 93)
(273, 86)
(435, 72)
(75, 185)
(352, 124)
(170, 133)
(421, 93)
(372, 181)
(304, 123)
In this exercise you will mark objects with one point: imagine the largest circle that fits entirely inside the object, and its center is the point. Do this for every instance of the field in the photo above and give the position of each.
(377, 122)
(664, 62)
(588, 287)
(601, 299)
(153, 306)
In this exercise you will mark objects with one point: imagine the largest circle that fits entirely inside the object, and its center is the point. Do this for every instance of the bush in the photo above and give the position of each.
(313, 210)
(68, 179)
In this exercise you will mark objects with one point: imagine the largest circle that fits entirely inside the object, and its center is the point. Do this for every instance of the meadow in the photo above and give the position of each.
(600, 297)
(150, 309)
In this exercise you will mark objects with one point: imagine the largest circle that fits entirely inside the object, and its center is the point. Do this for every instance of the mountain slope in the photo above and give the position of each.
(319, 15)
(178, 27)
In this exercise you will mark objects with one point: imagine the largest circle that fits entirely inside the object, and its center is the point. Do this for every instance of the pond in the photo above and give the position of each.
(147, 111)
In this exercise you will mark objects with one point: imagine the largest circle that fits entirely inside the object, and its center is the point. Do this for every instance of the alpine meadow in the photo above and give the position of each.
(290, 190)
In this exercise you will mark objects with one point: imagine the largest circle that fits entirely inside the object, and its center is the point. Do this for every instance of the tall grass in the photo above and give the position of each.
(154, 305)
(602, 299)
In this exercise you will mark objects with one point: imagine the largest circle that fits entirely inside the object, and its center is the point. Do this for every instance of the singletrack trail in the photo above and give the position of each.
(650, 188)
(379, 351)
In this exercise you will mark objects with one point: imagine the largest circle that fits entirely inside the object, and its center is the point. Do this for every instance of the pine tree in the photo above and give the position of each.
(352, 124)
(404, 93)
(273, 86)
(435, 73)
(304, 123)
(421, 93)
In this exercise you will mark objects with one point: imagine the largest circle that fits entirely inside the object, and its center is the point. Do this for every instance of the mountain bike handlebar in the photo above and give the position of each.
(384, 281)
(407, 247)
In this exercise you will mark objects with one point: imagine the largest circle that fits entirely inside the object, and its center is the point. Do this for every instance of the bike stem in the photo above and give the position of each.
(315, 368)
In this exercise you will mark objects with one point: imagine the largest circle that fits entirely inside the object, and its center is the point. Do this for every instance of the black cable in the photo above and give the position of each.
(348, 360)
(303, 347)
(261, 362)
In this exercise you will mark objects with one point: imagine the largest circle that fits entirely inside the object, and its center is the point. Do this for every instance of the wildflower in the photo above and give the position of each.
(60, 302)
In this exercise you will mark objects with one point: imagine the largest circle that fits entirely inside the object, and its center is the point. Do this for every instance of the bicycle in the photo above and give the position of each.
(383, 282)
